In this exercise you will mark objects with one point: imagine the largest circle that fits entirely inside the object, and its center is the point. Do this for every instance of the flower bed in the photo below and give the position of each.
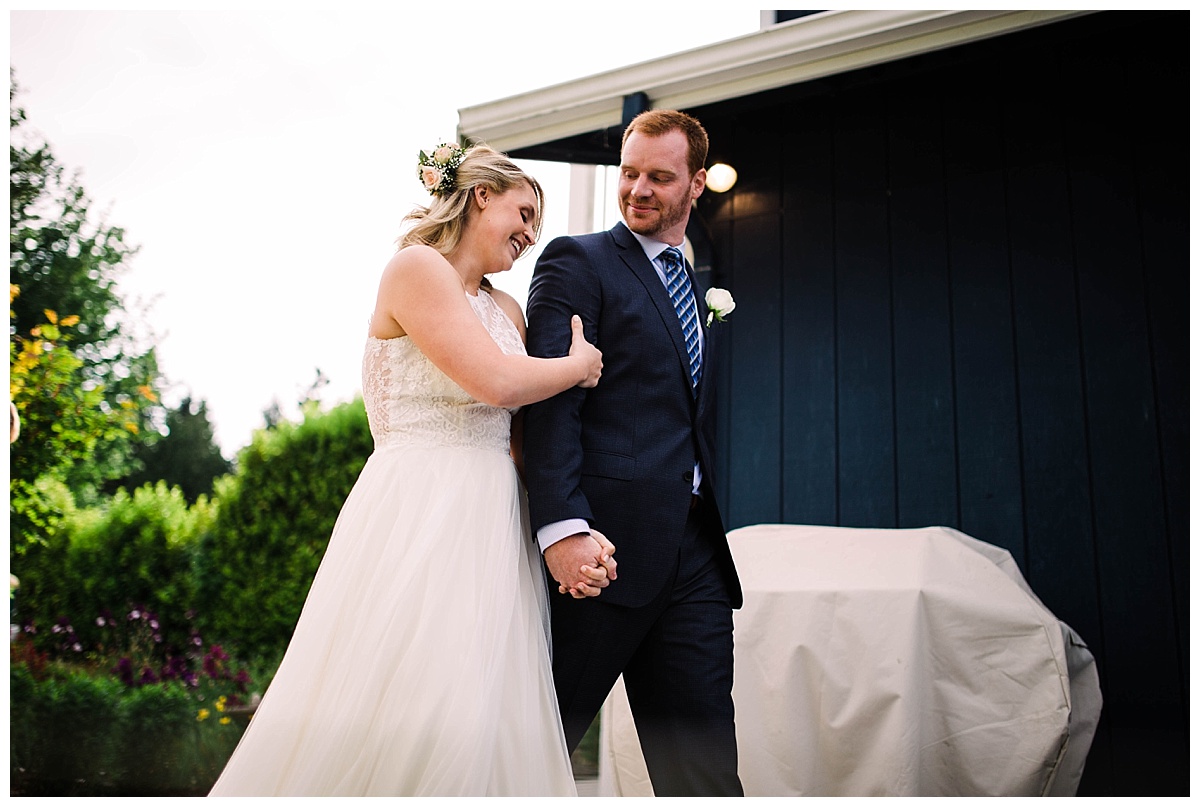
(145, 721)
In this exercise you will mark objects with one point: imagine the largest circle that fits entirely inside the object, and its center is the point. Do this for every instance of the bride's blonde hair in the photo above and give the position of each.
(440, 225)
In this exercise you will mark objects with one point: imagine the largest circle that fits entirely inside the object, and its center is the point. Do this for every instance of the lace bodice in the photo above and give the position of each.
(411, 402)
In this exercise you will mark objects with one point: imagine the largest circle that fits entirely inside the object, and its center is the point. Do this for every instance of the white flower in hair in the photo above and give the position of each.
(438, 170)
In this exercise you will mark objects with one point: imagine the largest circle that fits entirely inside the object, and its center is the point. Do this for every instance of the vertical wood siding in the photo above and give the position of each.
(962, 286)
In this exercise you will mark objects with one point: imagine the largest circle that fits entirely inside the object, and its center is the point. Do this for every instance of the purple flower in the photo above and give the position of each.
(124, 670)
(213, 662)
(148, 676)
(175, 668)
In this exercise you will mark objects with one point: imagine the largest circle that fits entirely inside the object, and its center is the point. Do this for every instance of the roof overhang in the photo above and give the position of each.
(801, 50)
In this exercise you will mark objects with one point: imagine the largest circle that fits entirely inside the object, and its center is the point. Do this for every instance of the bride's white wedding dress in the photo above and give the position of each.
(420, 663)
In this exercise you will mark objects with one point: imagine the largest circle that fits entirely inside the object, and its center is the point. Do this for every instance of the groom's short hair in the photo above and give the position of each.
(658, 122)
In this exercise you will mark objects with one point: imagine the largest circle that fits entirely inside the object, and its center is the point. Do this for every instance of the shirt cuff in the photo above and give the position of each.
(555, 532)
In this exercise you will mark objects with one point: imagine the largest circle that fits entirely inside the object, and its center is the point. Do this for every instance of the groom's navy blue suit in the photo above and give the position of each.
(622, 456)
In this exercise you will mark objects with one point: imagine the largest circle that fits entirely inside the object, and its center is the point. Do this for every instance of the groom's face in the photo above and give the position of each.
(655, 190)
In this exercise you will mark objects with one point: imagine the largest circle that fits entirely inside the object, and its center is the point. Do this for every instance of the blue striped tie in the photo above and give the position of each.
(679, 286)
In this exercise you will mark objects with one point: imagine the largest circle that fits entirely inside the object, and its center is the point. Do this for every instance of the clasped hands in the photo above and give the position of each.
(582, 563)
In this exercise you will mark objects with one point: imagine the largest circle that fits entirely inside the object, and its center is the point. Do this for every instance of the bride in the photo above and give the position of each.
(420, 662)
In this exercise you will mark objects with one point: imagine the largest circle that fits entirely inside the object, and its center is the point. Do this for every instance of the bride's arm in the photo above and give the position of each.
(423, 295)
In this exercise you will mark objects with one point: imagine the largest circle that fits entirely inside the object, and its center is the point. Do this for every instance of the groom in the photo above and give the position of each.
(634, 458)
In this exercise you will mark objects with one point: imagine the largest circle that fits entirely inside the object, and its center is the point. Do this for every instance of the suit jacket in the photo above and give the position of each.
(620, 455)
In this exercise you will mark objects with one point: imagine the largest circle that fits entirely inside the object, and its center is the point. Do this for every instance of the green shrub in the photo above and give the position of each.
(76, 729)
(135, 552)
(276, 515)
(60, 733)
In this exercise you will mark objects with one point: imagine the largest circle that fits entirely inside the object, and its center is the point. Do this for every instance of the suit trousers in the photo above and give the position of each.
(676, 654)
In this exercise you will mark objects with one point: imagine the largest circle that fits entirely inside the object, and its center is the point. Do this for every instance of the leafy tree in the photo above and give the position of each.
(63, 260)
(186, 457)
(272, 415)
(63, 423)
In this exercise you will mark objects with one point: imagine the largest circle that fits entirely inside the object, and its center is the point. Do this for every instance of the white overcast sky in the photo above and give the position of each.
(263, 159)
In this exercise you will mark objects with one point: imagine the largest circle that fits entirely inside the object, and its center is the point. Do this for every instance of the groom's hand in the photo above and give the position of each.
(582, 564)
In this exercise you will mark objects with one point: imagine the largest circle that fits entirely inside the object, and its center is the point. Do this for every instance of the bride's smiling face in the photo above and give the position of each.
(506, 223)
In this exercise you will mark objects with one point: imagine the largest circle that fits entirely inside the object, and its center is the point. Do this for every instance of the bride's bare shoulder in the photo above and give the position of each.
(415, 275)
(415, 257)
(416, 269)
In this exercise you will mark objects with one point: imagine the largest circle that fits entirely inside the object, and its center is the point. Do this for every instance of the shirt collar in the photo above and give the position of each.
(651, 247)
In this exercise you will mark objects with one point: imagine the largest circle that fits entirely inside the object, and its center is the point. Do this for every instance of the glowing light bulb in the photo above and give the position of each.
(720, 177)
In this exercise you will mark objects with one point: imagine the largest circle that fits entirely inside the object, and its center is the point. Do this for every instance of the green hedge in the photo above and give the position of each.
(76, 732)
(120, 608)
(135, 552)
(236, 568)
(276, 515)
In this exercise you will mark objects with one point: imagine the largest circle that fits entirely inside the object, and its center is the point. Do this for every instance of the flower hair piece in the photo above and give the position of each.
(438, 169)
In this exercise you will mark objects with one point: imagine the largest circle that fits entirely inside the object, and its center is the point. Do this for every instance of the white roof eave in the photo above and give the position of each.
(788, 53)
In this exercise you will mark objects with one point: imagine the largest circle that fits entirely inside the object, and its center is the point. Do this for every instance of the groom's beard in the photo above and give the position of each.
(670, 214)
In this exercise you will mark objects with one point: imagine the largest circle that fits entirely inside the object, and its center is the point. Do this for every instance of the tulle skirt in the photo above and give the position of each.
(420, 663)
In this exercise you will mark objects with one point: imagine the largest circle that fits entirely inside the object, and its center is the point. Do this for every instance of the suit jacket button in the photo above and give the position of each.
(687, 477)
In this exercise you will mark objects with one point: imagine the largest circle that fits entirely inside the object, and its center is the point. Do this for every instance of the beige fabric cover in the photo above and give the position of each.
(890, 662)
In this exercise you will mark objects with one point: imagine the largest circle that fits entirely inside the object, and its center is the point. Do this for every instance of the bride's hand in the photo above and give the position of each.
(584, 350)
(607, 550)
(595, 577)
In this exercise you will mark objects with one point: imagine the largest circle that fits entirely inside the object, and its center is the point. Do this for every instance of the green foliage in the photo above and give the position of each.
(60, 728)
(64, 422)
(186, 457)
(138, 551)
(63, 260)
(79, 731)
(276, 515)
(585, 759)
(114, 688)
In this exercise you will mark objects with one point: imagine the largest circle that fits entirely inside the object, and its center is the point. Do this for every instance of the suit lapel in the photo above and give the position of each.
(634, 257)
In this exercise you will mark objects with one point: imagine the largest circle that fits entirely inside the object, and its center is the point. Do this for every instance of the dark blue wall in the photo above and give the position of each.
(962, 287)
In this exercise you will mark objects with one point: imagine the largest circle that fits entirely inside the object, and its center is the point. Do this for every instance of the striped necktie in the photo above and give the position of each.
(679, 286)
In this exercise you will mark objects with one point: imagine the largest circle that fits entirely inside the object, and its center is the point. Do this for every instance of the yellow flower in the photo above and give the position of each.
(220, 704)
(225, 721)
(202, 714)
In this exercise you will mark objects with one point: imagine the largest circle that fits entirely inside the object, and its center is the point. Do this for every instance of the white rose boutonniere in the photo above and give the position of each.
(720, 303)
